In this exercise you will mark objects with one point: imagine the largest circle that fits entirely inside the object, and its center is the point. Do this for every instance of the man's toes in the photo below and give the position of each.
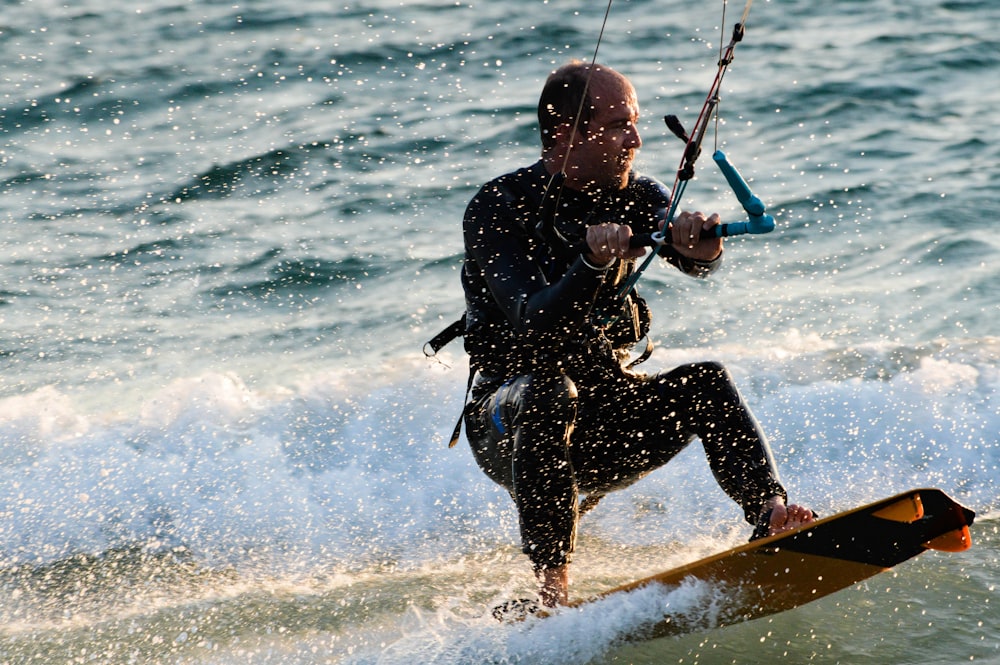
(798, 515)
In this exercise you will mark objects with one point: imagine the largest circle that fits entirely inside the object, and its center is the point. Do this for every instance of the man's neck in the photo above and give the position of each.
(553, 165)
(588, 187)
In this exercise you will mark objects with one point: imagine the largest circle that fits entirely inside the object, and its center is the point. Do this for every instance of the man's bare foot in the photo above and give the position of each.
(553, 585)
(785, 518)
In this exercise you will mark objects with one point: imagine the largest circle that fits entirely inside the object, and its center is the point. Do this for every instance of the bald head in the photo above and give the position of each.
(597, 148)
(570, 90)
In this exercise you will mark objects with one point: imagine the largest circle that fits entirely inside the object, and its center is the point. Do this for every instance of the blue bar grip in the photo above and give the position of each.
(759, 221)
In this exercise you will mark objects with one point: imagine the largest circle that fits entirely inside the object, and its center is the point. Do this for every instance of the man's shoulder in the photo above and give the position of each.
(507, 204)
(525, 182)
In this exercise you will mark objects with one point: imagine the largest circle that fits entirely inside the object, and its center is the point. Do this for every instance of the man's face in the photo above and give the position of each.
(602, 154)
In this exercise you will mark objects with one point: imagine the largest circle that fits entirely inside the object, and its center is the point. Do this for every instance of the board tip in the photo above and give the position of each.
(957, 540)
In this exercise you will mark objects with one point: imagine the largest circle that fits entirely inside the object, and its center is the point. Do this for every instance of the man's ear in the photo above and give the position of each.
(564, 134)
(560, 140)
(561, 133)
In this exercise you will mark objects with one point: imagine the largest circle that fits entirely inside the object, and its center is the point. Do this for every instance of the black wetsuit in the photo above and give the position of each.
(554, 411)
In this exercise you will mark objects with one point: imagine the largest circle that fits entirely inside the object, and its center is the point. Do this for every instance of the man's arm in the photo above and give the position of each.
(496, 235)
(687, 249)
(692, 267)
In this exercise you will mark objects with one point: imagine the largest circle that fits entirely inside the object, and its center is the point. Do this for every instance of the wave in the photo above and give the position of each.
(259, 175)
(347, 469)
(300, 276)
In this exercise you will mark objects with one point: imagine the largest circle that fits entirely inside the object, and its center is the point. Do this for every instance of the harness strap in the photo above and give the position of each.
(439, 341)
(648, 351)
(455, 433)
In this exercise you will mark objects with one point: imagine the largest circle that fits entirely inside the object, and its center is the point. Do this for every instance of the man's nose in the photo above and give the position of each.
(635, 141)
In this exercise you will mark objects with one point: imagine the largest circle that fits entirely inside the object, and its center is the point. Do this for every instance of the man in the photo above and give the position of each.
(556, 411)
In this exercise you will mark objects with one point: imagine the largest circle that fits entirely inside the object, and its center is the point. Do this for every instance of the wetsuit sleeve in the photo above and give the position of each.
(689, 266)
(656, 199)
(496, 234)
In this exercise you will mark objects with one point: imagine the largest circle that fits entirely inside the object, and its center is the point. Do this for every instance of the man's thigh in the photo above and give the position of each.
(624, 430)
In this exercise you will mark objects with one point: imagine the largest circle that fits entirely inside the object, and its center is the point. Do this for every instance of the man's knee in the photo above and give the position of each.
(531, 399)
(552, 397)
(710, 372)
(702, 377)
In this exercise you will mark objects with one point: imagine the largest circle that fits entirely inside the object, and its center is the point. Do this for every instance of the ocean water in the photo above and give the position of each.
(228, 228)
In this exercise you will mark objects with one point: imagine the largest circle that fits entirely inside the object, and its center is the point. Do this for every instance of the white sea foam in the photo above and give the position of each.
(569, 635)
(353, 470)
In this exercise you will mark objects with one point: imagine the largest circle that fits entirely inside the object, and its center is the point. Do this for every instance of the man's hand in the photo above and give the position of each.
(608, 242)
(685, 233)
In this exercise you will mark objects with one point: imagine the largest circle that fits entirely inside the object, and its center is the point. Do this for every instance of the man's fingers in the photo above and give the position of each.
(686, 229)
(609, 241)
(713, 220)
